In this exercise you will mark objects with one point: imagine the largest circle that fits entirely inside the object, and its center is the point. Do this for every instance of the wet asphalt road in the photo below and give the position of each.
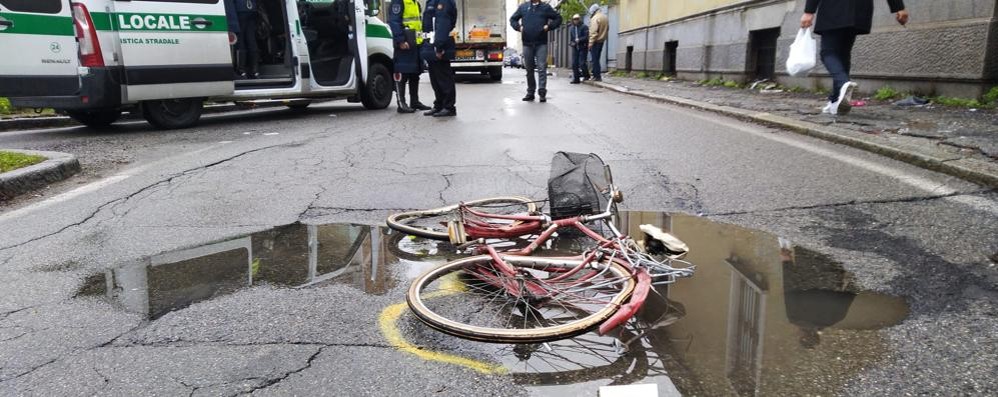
(898, 229)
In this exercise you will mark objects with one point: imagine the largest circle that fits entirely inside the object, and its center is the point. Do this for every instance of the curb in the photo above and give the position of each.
(59, 166)
(978, 171)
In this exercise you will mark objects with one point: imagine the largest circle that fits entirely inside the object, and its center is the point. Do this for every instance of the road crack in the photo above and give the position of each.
(146, 188)
(914, 199)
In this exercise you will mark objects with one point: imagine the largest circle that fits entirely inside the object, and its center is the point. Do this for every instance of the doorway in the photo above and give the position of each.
(762, 53)
(669, 58)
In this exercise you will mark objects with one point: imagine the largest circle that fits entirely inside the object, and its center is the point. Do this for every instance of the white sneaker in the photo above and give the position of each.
(844, 105)
(828, 109)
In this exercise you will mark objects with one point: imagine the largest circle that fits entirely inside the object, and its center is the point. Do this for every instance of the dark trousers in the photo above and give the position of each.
(597, 55)
(580, 62)
(247, 41)
(836, 54)
(442, 80)
(412, 80)
(535, 59)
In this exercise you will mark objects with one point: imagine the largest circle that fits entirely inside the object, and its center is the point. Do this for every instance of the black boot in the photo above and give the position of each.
(544, 95)
(241, 64)
(400, 97)
(529, 97)
(415, 104)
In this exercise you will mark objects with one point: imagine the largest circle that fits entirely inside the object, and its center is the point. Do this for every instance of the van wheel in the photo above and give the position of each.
(496, 74)
(96, 119)
(377, 92)
(171, 114)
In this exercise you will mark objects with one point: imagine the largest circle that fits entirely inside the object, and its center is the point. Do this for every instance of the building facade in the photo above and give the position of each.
(950, 47)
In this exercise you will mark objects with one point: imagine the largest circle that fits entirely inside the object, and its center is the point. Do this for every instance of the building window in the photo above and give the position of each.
(669, 58)
(762, 53)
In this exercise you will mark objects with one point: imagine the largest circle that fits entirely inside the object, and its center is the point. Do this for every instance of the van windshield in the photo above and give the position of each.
(37, 6)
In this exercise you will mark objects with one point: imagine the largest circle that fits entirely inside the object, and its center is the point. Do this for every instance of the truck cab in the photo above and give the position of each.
(94, 59)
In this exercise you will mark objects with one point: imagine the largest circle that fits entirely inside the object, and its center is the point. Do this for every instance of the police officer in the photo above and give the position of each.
(407, 32)
(439, 19)
(248, 50)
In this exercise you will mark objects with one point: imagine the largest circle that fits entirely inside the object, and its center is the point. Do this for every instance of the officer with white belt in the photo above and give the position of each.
(405, 19)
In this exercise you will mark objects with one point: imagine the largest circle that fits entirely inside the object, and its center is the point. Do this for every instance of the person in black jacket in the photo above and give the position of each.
(248, 49)
(406, 21)
(839, 22)
(439, 19)
(534, 20)
(578, 38)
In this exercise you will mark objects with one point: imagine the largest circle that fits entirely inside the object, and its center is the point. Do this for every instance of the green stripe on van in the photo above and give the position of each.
(50, 25)
(378, 31)
(148, 22)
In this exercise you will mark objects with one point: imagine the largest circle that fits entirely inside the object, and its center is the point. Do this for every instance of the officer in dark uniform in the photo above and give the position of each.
(406, 21)
(439, 19)
(248, 50)
(232, 19)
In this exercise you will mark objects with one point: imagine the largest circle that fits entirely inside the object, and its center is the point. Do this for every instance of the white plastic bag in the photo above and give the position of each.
(803, 54)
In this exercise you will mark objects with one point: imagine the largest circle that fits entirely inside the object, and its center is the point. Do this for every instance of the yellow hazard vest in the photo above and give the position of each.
(412, 18)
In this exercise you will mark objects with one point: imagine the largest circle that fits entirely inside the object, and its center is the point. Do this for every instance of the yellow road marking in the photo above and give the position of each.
(388, 321)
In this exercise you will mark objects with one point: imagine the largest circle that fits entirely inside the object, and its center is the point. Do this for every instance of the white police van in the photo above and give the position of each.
(94, 59)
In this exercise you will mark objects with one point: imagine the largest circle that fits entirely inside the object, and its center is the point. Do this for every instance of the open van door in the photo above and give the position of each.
(38, 50)
(374, 79)
(359, 40)
(174, 49)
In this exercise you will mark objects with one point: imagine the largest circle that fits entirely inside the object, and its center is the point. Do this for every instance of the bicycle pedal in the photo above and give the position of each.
(455, 231)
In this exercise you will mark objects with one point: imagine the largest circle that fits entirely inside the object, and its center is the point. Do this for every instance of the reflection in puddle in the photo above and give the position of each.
(760, 317)
(293, 256)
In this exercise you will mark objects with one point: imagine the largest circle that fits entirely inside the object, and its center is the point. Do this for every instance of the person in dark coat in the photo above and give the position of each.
(406, 16)
(578, 38)
(439, 19)
(232, 20)
(534, 19)
(247, 49)
(839, 22)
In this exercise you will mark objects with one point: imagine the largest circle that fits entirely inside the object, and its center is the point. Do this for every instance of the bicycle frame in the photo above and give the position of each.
(533, 289)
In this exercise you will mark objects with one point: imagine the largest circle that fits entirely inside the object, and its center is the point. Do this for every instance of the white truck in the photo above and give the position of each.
(94, 59)
(481, 37)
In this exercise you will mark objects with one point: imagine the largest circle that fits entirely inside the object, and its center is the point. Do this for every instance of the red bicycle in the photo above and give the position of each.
(513, 297)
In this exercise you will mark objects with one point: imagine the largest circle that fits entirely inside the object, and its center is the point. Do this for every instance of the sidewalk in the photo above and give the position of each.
(958, 142)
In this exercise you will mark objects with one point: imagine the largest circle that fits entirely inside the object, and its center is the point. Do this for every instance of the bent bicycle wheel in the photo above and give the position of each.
(466, 298)
(432, 223)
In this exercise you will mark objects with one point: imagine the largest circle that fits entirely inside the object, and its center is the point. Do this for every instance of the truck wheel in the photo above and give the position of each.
(377, 92)
(171, 114)
(496, 74)
(96, 119)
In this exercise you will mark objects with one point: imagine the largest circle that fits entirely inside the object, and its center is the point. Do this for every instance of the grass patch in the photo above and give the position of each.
(958, 102)
(618, 73)
(992, 96)
(715, 82)
(10, 161)
(5, 107)
(886, 93)
(732, 84)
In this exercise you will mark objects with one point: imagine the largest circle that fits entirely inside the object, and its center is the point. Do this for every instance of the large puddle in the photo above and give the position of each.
(761, 316)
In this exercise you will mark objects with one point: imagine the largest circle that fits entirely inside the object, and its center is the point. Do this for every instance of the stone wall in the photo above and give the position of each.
(950, 47)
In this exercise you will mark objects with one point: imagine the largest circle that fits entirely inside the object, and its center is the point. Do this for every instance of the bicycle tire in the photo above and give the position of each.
(397, 221)
(505, 335)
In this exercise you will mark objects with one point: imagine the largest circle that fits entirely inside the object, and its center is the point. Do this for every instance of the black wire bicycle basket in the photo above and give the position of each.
(578, 185)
